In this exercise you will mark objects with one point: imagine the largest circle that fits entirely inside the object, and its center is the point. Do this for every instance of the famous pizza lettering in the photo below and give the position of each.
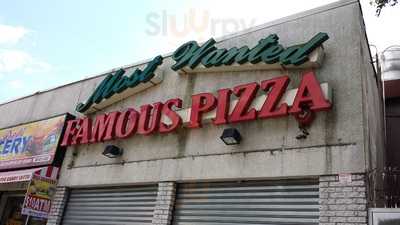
(165, 117)
(276, 88)
(242, 110)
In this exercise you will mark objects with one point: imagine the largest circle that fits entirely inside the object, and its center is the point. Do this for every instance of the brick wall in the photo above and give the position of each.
(165, 203)
(343, 203)
(57, 207)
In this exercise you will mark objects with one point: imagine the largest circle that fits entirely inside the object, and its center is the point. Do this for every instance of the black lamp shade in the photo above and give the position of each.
(231, 136)
(112, 151)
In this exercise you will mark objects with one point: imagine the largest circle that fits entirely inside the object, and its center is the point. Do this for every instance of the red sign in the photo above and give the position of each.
(41, 205)
(117, 125)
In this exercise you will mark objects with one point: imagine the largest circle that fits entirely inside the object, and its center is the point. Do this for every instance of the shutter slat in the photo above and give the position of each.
(253, 203)
(250, 194)
(111, 206)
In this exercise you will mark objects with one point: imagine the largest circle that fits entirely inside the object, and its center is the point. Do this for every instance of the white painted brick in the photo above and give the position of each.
(362, 219)
(328, 178)
(323, 219)
(164, 203)
(343, 203)
(337, 219)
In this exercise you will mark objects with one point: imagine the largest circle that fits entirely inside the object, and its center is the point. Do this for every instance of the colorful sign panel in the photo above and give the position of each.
(38, 199)
(30, 144)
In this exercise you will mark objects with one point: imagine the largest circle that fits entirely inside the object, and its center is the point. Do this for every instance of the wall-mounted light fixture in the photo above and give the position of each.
(231, 136)
(112, 151)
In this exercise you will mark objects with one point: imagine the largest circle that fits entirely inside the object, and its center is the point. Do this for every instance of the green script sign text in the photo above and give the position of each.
(115, 83)
(268, 50)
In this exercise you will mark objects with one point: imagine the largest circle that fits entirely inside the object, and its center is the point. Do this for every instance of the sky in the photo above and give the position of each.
(46, 43)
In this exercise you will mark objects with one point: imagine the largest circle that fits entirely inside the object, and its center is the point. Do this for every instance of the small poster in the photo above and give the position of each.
(38, 198)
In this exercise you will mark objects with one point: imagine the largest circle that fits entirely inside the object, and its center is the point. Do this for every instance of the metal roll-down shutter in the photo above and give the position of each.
(254, 202)
(111, 206)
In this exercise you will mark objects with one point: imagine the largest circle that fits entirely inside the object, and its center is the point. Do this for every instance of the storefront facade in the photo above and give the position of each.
(300, 93)
(30, 162)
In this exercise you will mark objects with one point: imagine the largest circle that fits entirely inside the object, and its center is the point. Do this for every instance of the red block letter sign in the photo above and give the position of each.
(70, 131)
(242, 110)
(84, 132)
(224, 96)
(127, 123)
(309, 95)
(201, 103)
(276, 88)
(104, 127)
(172, 115)
(149, 119)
